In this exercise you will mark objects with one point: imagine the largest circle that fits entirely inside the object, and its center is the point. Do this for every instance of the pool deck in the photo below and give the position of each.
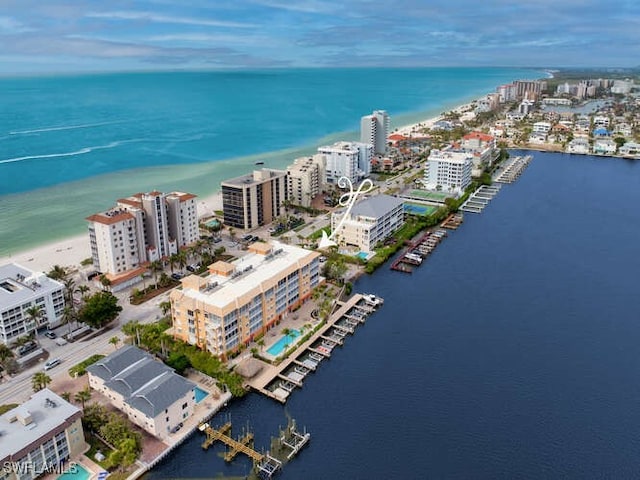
(270, 373)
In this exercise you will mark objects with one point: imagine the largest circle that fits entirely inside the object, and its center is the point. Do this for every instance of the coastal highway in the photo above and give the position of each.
(18, 388)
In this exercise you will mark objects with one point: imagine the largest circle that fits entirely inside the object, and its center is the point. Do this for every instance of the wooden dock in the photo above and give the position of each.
(236, 446)
(453, 221)
(271, 373)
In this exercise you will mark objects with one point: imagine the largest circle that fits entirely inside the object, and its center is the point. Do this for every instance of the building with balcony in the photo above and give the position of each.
(142, 228)
(448, 171)
(21, 289)
(347, 159)
(374, 130)
(306, 178)
(40, 436)
(370, 222)
(237, 301)
(149, 392)
(255, 199)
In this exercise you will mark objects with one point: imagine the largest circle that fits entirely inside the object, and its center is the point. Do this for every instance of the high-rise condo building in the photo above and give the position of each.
(21, 289)
(255, 199)
(306, 178)
(448, 171)
(142, 228)
(374, 130)
(347, 159)
(240, 300)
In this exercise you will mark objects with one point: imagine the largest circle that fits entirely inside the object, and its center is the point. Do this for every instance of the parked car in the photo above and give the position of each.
(217, 240)
(51, 363)
(27, 347)
(50, 334)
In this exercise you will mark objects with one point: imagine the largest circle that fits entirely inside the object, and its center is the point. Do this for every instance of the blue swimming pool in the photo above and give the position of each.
(75, 472)
(277, 348)
(200, 394)
(362, 255)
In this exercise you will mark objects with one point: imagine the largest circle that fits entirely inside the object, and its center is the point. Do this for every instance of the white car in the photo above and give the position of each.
(51, 363)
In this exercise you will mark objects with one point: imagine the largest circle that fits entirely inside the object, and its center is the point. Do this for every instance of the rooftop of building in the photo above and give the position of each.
(255, 177)
(344, 146)
(145, 383)
(18, 284)
(375, 206)
(478, 136)
(228, 281)
(449, 155)
(42, 413)
(110, 217)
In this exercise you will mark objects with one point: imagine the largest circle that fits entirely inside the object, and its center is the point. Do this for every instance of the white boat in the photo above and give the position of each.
(372, 300)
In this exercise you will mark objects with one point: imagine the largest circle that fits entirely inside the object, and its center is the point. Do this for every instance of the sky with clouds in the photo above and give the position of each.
(76, 35)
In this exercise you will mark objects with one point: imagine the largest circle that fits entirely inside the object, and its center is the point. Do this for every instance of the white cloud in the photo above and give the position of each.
(152, 17)
(308, 6)
(9, 26)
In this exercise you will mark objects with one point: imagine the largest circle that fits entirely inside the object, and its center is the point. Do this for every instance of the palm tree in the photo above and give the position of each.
(83, 289)
(144, 282)
(173, 261)
(165, 307)
(69, 285)
(5, 353)
(83, 396)
(182, 259)
(57, 273)
(68, 316)
(39, 381)
(66, 396)
(156, 266)
(114, 341)
(35, 313)
(106, 283)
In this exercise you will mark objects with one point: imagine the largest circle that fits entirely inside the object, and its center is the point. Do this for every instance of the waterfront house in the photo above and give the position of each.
(604, 146)
(630, 149)
(578, 145)
(149, 392)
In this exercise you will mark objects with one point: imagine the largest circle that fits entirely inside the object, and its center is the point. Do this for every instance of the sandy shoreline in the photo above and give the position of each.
(71, 251)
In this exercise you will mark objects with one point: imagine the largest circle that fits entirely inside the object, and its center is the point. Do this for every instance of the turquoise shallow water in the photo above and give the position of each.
(71, 145)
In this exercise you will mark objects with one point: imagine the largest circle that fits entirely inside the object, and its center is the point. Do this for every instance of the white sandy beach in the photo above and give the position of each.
(72, 251)
(417, 127)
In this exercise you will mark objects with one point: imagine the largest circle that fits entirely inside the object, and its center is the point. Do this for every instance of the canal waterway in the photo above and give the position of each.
(512, 352)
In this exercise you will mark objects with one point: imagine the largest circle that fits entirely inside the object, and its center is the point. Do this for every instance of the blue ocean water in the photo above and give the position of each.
(71, 145)
(511, 353)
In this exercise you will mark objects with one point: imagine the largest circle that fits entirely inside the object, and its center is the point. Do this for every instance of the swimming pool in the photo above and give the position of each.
(277, 348)
(362, 255)
(75, 472)
(212, 223)
(200, 394)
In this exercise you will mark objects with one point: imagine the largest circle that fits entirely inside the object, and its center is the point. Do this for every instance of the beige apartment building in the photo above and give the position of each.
(306, 178)
(240, 300)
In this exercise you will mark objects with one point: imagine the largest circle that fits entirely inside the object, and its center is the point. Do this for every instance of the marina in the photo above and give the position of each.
(419, 249)
(512, 169)
(479, 199)
(278, 382)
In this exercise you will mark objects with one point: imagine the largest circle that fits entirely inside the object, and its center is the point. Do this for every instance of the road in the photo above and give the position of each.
(18, 388)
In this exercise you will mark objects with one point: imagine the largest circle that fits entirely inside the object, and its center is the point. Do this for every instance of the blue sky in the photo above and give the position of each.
(73, 35)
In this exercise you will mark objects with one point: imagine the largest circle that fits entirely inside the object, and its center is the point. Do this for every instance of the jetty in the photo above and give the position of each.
(512, 169)
(479, 199)
(453, 221)
(222, 434)
(278, 382)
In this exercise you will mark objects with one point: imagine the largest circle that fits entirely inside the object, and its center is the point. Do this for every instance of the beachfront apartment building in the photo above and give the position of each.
(237, 301)
(254, 199)
(506, 93)
(21, 289)
(448, 171)
(149, 392)
(369, 223)
(347, 159)
(142, 228)
(306, 178)
(374, 130)
(40, 437)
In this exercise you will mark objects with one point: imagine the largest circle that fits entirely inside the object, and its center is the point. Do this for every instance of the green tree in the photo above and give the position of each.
(5, 353)
(106, 283)
(115, 340)
(178, 361)
(82, 289)
(173, 261)
(165, 307)
(155, 267)
(69, 287)
(94, 416)
(100, 309)
(57, 273)
(66, 396)
(83, 396)
(68, 316)
(39, 381)
(35, 313)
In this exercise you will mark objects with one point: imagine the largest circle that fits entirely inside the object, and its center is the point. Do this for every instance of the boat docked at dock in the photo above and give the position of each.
(372, 300)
